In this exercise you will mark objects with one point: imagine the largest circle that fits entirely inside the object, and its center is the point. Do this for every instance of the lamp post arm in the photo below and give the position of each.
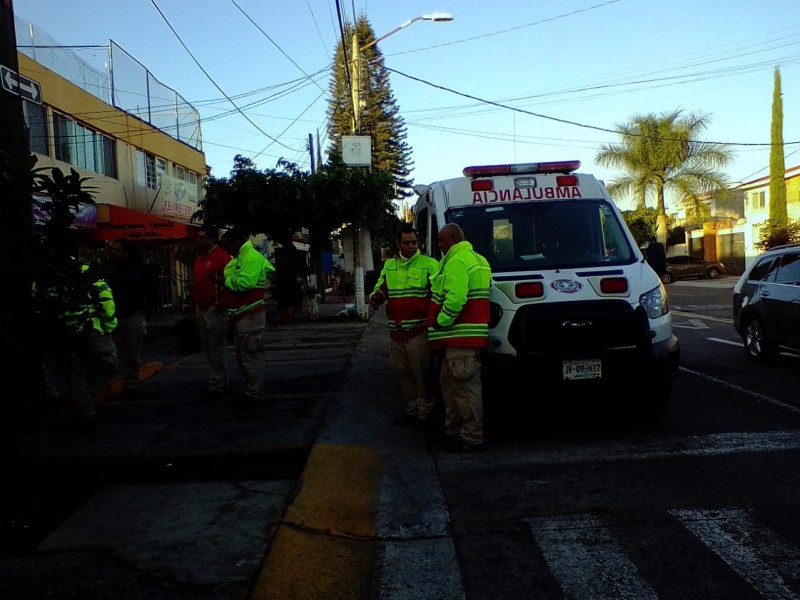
(393, 31)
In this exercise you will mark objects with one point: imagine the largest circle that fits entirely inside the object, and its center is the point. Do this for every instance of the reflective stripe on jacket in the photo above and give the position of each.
(458, 315)
(404, 284)
(246, 281)
(97, 312)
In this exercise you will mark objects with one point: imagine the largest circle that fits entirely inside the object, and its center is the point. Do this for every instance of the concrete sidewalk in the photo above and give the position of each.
(317, 494)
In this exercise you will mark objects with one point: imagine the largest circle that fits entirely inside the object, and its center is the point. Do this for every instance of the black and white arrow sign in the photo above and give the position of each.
(19, 84)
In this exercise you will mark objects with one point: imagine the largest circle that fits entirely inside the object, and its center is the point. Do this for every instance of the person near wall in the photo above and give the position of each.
(458, 328)
(404, 286)
(134, 286)
(212, 320)
(83, 350)
(243, 293)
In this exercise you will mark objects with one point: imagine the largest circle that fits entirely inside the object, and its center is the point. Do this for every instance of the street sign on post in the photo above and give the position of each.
(357, 150)
(20, 85)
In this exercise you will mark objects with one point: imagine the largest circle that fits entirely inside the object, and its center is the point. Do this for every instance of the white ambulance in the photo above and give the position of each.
(574, 302)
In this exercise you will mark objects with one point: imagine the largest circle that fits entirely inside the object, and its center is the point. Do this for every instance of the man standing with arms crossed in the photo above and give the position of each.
(404, 285)
(212, 321)
(458, 325)
(245, 285)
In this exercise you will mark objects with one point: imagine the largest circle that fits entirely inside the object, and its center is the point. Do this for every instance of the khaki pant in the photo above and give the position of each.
(213, 326)
(460, 380)
(249, 341)
(411, 361)
(85, 365)
(129, 337)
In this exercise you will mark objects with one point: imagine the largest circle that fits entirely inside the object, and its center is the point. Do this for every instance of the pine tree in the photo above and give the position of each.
(777, 167)
(379, 115)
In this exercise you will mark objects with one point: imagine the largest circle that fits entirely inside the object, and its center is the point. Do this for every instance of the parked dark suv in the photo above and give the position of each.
(684, 266)
(766, 303)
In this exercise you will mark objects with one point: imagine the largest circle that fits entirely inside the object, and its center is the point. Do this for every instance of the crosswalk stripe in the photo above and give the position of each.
(714, 444)
(588, 563)
(746, 547)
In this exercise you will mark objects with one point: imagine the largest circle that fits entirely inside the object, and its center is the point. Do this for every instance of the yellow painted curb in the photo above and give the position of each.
(322, 548)
(114, 387)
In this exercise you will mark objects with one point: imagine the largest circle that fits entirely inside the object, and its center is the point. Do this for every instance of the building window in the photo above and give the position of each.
(35, 127)
(161, 170)
(146, 169)
(758, 200)
(83, 147)
(193, 180)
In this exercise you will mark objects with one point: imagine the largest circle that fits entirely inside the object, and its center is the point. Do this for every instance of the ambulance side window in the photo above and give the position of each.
(421, 225)
(434, 249)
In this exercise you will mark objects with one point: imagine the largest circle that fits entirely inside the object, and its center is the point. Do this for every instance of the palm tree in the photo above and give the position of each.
(662, 152)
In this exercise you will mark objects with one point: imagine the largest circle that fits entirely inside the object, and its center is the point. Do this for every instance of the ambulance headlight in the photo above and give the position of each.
(655, 302)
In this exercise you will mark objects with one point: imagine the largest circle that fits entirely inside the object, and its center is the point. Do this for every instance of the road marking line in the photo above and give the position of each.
(588, 563)
(682, 313)
(743, 390)
(729, 342)
(716, 444)
(746, 547)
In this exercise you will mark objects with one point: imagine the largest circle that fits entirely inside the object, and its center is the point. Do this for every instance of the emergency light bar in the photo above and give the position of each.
(567, 166)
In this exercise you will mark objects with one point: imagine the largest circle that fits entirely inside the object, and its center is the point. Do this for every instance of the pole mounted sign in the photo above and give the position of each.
(20, 85)
(357, 150)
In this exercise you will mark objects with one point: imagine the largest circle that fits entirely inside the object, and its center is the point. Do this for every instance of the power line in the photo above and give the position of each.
(211, 79)
(556, 119)
(294, 121)
(485, 35)
(276, 45)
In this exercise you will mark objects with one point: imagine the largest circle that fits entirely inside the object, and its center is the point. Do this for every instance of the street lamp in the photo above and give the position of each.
(434, 17)
(358, 267)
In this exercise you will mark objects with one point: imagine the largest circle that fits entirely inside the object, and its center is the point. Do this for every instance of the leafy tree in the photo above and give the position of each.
(257, 201)
(339, 194)
(662, 152)
(777, 166)
(776, 233)
(44, 256)
(379, 115)
(280, 202)
(642, 223)
(677, 235)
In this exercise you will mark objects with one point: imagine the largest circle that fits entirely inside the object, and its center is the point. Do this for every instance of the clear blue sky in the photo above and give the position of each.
(571, 68)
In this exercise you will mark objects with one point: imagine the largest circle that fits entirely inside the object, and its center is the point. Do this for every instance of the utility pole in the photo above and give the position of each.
(311, 152)
(358, 263)
(355, 83)
(20, 374)
(319, 150)
(12, 121)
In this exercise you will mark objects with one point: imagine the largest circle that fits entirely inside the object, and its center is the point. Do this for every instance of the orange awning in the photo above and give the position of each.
(116, 221)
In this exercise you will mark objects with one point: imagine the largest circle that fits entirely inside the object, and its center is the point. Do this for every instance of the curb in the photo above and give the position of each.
(115, 386)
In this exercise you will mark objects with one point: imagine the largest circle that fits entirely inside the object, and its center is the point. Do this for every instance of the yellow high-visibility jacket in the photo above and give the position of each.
(404, 284)
(458, 315)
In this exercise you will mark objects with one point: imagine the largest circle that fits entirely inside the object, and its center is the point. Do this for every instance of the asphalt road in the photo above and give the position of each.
(700, 501)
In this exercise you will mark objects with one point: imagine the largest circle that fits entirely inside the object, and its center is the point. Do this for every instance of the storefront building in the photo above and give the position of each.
(143, 160)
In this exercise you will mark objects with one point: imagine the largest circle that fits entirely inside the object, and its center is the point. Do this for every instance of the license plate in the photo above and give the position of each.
(582, 369)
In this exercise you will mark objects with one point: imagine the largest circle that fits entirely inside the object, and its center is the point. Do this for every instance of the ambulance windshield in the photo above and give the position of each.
(526, 236)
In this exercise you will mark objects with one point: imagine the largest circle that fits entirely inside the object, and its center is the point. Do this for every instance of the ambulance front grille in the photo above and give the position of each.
(575, 328)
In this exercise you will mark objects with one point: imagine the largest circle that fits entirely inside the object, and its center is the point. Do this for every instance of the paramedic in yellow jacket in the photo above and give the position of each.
(243, 294)
(404, 285)
(86, 356)
(458, 325)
